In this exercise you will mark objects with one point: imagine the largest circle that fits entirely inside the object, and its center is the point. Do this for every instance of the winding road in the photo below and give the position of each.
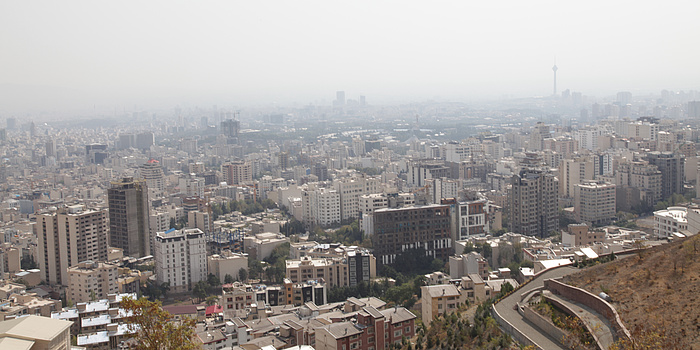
(507, 309)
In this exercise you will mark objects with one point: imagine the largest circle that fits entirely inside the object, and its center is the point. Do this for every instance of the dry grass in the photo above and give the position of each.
(658, 289)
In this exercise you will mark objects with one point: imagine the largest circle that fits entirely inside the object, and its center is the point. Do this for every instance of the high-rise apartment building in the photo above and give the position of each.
(573, 172)
(90, 281)
(594, 203)
(51, 148)
(418, 172)
(230, 128)
(67, 237)
(470, 219)
(693, 110)
(283, 160)
(672, 168)
(237, 172)
(181, 258)
(152, 172)
(638, 184)
(532, 203)
(361, 267)
(129, 217)
(320, 206)
(402, 229)
(350, 190)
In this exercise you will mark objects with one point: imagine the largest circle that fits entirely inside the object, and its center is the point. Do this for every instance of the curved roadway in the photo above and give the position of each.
(507, 309)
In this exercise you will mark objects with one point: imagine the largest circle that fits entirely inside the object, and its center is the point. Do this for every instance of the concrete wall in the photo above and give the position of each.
(543, 324)
(572, 313)
(594, 302)
(516, 333)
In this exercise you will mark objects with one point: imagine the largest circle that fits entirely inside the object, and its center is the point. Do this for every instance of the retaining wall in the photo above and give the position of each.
(510, 329)
(543, 324)
(593, 301)
(571, 313)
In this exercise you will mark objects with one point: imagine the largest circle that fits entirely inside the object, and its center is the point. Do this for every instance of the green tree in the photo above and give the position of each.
(228, 279)
(211, 300)
(243, 274)
(255, 268)
(200, 290)
(154, 329)
(213, 280)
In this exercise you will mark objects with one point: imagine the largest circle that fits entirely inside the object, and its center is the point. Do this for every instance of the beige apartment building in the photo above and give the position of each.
(440, 299)
(227, 263)
(237, 172)
(35, 333)
(594, 203)
(578, 235)
(332, 270)
(90, 281)
(68, 236)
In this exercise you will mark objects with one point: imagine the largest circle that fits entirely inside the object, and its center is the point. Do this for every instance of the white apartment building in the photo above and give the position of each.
(669, 221)
(472, 219)
(442, 188)
(152, 172)
(192, 186)
(89, 281)
(456, 152)
(573, 172)
(320, 206)
(158, 221)
(588, 138)
(595, 203)
(350, 190)
(181, 258)
(643, 130)
(371, 202)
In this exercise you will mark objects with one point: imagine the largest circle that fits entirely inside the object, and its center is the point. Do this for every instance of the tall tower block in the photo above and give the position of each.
(554, 91)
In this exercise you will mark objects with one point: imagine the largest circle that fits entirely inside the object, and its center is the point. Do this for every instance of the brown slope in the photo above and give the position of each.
(658, 291)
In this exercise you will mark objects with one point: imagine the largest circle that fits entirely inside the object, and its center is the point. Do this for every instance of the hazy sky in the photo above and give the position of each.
(56, 53)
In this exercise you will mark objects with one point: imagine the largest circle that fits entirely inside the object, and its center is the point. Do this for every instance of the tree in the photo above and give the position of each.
(228, 279)
(211, 300)
(243, 274)
(255, 268)
(153, 327)
(200, 290)
(213, 280)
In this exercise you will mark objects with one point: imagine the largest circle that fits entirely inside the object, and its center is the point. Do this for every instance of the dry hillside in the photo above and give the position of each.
(657, 292)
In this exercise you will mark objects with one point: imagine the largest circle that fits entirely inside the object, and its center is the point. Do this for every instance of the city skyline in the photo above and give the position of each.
(159, 54)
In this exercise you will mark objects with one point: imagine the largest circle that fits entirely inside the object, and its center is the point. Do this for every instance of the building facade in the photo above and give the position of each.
(67, 237)
(532, 203)
(402, 229)
(181, 258)
(237, 172)
(129, 225)
(595, 203)
(672, 168)
(89, 281)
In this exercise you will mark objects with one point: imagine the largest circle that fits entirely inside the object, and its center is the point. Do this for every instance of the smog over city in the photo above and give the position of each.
(361, 175)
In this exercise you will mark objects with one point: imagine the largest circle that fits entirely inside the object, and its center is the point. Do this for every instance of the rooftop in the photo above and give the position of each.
(442, 290)
(93, 338)
(34, 327)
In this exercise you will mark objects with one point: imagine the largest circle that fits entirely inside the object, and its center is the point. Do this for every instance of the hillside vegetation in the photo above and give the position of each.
(656, 293)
